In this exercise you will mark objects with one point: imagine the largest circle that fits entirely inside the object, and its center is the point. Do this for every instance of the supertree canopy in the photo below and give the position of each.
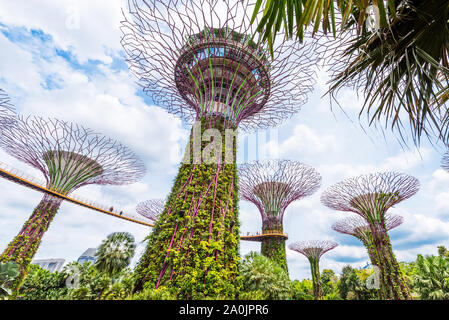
(313, 250)
(272, 186)
(198, 60)
(69, 156)
(370, 196)
(7, 111)
(151, 209)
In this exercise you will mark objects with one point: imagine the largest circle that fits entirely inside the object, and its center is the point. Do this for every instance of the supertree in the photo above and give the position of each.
(370, 196)
(69, 156)
(151, 209)
(272, 186)
(313, 250)
(360, 228)
(198, 59)
(7, 111)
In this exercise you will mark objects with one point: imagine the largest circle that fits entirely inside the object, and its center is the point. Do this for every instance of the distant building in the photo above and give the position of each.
(51, 265)
(88, 255)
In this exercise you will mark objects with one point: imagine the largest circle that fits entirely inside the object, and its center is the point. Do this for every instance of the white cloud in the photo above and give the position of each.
(88, 29)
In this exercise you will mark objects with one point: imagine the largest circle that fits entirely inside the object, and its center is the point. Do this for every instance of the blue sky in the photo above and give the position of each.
(63, 59)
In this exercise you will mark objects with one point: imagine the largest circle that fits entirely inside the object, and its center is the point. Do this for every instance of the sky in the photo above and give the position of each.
(63, 59)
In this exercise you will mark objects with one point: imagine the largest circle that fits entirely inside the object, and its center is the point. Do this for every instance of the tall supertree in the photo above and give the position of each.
(360, 228)
(7, 111)
(69, 156)
(272, 186)
(370, 196)
(151, 209)
(313, 250)
(198, 59)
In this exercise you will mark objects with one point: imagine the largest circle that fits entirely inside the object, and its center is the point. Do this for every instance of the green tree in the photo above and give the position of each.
(396, 65)
(115, 253)
(302, 290)
(8, 272)
(328, 282)
(442, 251)
(352, 284)
(431, 280)
(41, 284)
(265, 276)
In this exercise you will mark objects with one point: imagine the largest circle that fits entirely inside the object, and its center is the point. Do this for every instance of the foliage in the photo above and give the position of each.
(431, 280)
(253, 295)
(259, 273)
(194, 246)
(294, 16)
(302, 290)
(329, 282)
(75, 282)
(442, 251)
(41, 284)
(23, 247)
(161, 293)
(274, 248)
(8, 272)
(393, 60)
(115, 253)
(352, 284)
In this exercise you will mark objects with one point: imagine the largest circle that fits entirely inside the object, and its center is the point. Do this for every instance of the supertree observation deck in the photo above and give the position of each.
(370, 196)
(198, 59)
(69, 156)
(272, 186)
(314, 250)
(7, 110)
(151, 209)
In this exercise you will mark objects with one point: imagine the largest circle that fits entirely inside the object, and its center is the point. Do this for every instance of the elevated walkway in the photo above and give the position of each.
(12, 174)
(264, 235)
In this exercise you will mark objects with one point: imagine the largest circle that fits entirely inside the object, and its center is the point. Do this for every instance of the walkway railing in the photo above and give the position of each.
(17, 176)
(265, 233)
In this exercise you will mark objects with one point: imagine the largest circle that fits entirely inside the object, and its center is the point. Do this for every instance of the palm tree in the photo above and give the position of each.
(400, 63)
(263, 275)
(432, 278)
(115, 253)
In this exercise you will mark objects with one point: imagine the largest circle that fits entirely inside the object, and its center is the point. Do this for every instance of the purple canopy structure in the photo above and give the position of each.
(272, 186)
(69, 156)
(370, 196)
(314, 250)
(151, 209)
(198, 59)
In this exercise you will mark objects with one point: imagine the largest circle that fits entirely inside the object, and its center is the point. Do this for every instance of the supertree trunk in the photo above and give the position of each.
(390, 272)
(382, 292)
(316, 278)
(24, 246)
(194, 246)
(274, 247)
